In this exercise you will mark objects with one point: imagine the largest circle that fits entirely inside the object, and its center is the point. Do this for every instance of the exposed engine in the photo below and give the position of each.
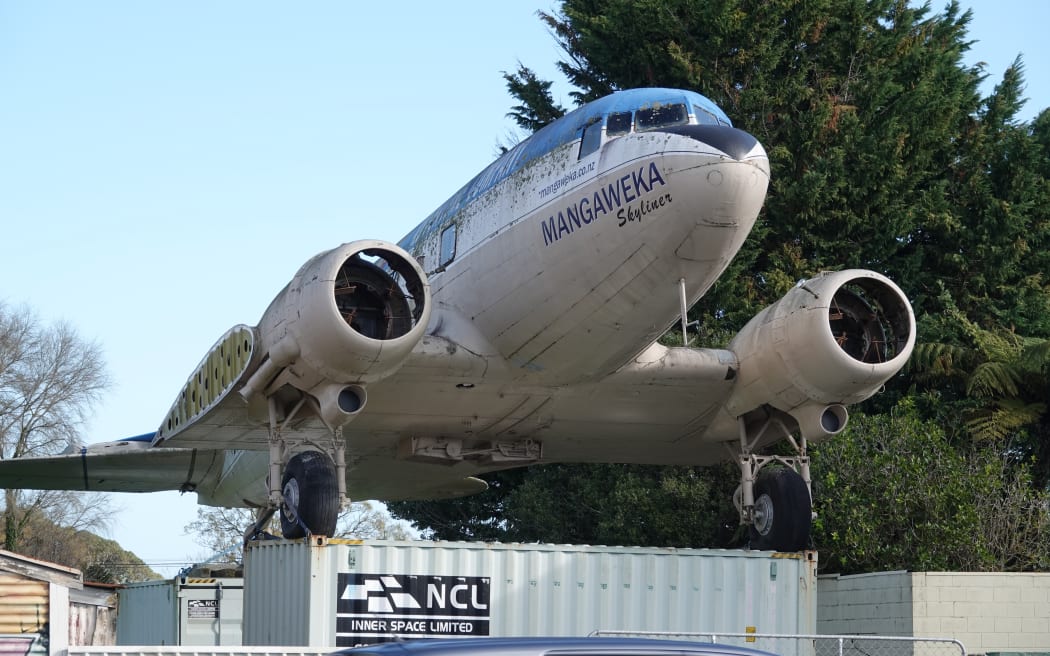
(349, 317)
(832, 341)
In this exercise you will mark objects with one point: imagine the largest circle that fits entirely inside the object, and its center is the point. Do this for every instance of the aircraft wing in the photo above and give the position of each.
(222, 477)
(123, 466)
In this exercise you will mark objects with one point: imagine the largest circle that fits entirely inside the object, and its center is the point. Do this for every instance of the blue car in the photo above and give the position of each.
(569, 646)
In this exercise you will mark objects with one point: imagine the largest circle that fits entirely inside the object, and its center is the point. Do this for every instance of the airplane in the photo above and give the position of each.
(517, 325)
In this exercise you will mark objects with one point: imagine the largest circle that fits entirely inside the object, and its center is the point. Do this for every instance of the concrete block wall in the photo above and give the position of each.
(865, 604)
(987, 612)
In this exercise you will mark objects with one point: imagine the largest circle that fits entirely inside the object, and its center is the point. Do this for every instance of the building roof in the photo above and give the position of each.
(41, 570)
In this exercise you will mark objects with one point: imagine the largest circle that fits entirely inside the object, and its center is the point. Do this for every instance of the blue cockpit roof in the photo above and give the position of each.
(562, 131)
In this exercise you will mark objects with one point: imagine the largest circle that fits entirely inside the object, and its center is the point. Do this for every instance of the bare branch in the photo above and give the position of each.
(49, 381)
(222, 529)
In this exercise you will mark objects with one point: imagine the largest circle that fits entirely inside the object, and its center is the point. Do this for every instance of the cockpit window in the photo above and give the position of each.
(659, 116)
(704, 117)
(618, 123)
(592, 138)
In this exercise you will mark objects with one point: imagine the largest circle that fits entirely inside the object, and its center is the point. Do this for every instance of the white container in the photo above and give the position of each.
(334, 593)
(181, 611)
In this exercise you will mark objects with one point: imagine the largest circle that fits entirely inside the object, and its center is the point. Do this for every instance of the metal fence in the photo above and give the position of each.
(780, 644)
(816, 645)
(184, 650)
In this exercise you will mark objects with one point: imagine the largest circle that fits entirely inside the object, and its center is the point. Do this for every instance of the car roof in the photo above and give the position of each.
(547, 645)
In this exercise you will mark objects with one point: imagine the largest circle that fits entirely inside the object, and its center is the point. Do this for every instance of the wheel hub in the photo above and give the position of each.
(763, 515)
(290, 505)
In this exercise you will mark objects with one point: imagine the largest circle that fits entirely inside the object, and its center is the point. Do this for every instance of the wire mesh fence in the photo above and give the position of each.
(817, 645)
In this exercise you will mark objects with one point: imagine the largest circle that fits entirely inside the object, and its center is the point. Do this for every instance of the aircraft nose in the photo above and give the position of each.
(731, 141)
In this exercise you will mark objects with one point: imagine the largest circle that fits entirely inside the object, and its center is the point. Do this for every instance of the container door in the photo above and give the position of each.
(211, 615)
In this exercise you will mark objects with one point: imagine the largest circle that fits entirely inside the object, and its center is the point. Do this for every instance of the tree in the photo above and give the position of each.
(101, 560)
(476, 517)
(49, 380)
(221, 530)
(537, 106)
(892, 492)
(588, 504)
(625, 504)
(995, 381)
(988, 251)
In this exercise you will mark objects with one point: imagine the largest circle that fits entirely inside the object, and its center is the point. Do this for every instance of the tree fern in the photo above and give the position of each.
(939, 360)
(1006, 374)
(991, 380)
(1000, 421)
(1036, 357)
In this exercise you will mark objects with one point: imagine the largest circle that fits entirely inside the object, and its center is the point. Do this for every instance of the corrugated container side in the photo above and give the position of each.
(181, 612)
(147, 614)
(280, 580)
(346, 592)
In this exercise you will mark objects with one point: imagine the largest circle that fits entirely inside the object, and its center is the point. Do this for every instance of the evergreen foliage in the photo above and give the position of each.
(997, 384)
(893, 493)
(589, 504)
(537, 106)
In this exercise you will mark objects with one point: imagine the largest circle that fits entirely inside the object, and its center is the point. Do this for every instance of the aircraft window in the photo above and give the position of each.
(448, 245)
(660, 116)
(704, 117)
(618, 123)
(592, 139)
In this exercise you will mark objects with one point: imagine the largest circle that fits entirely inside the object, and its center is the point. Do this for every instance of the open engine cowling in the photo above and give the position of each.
(349, 317)
(831, 341)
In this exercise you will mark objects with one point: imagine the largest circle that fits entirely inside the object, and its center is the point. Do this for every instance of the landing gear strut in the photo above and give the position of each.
(776, 504)
(311, 489)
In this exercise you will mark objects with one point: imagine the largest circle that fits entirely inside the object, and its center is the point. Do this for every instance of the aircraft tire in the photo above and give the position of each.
(784, 512)
(311, 492)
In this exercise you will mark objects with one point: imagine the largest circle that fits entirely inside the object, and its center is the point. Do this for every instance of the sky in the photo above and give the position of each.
(165, 168)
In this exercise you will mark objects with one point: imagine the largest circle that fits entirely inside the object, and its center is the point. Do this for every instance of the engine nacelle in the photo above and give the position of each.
(349, 317)
(831, 341)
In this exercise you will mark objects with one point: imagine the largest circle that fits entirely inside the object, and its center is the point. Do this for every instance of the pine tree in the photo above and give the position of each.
(990, 248)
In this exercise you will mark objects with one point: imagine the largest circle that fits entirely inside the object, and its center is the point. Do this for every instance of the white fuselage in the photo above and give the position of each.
(570, 268)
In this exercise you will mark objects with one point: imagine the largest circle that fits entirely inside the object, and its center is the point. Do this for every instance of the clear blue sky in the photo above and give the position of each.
(166, 167)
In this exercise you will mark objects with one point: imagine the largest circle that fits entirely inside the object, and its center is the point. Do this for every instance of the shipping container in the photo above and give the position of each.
(322, 593)
(181, 611)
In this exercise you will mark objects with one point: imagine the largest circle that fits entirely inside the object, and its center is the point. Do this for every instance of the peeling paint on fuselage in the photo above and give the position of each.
(547, 155)
(569, 266)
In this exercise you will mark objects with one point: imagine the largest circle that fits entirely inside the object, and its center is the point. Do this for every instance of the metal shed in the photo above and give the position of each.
(34, 603)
